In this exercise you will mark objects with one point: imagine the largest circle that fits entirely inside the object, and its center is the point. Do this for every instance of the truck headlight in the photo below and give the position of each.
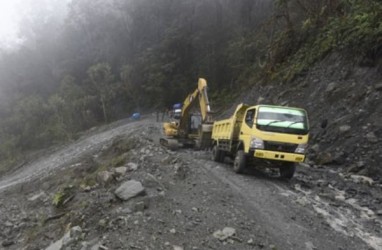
(257, 143)
(301, 148)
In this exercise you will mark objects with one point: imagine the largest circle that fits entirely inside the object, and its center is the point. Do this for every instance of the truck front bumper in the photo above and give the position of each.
(278, 156)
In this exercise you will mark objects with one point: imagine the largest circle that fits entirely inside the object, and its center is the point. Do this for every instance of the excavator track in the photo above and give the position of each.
(171, 144)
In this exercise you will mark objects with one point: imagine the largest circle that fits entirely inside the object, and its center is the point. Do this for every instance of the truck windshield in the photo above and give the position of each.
(283, 120)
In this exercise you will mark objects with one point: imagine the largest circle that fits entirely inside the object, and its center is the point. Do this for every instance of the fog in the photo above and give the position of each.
(16, 17)
(66, 66)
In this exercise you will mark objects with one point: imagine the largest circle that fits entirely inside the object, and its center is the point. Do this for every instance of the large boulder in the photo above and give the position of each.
(129, 189)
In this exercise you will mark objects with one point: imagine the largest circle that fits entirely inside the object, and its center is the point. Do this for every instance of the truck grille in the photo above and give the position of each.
(280, 147)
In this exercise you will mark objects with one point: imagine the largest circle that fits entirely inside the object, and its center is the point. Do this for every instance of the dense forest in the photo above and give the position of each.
(96, 61)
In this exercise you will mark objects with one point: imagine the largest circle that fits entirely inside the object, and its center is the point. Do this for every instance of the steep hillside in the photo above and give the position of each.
(344, 104)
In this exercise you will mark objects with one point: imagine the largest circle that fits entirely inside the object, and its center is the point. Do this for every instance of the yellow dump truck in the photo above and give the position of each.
(266, 135)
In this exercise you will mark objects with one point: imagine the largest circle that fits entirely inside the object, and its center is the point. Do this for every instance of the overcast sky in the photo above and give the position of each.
(8, 21)
(13, 11)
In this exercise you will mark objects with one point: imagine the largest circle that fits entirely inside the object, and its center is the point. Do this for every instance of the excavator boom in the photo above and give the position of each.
(193, 128)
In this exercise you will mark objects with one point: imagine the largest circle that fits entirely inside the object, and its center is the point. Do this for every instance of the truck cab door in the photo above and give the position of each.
(246, 128)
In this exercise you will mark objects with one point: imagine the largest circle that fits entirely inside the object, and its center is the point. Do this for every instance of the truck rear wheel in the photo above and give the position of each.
(240, 162)
(287, 170)
(217, 154)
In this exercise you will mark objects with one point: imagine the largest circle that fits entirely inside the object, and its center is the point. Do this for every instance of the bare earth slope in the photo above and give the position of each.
(189, 201)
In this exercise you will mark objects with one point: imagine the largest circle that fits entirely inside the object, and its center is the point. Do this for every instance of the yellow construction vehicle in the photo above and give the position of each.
(194, 126)
(262, 134)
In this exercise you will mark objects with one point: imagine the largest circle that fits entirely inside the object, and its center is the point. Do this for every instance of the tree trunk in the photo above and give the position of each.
(104, 109)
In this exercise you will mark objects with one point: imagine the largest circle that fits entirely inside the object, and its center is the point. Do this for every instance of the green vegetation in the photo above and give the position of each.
(353, 29)
(63, 195)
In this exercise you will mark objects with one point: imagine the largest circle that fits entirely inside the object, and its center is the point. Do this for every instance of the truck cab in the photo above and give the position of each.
(276, 134)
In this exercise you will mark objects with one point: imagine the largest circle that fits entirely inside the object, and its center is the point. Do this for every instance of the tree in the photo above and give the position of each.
(102, 79)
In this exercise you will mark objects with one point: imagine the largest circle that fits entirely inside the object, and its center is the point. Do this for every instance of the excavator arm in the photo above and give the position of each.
(198, 96)
(181, 130)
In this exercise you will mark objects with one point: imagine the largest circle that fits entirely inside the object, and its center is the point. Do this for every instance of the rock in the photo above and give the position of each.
(371, 137)
(303, 201)
(339, 158)
(178, 248)
(224, 234)
(129, 189)
(8, 224)
(379, 212)
(55, 246)
(355, 168)
(173, 231)
(331, 87)
(340, 197)
(378, 86)
(7, 243)
(180, 171)
(37, 196)
(73, 235)
(309, 246)
(120, 171)
(344, 128)
(104, 177)
(362, 179)
(132, 166)
(324, 158)
(315, 148)
(260, 100)
(102, 223)
(166, 160)
(126, 211)
(139, 206)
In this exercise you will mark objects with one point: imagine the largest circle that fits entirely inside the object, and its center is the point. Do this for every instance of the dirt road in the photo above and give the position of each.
(68, 154)
(189, 198)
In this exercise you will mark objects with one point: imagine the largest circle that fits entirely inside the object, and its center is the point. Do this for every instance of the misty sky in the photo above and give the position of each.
(12, 13)
(8, 21)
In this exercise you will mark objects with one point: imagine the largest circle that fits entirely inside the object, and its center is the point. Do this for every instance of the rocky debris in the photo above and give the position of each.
(7, 243)
(180, 171)
(371, 137)
(40, 195)
(303, 201)
(140, 206)
(132, 166)
(378, 86)
(129, 189)
(105, 177)
(324, 158)
(362, 179)
(120, 171)
(344, 128)
(224, 234)
(331, 87)
(73, 236)
(181, 206)
(63, 196)
(355, 168)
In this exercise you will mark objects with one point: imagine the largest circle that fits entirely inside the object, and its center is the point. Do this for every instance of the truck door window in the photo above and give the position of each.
(250, 117)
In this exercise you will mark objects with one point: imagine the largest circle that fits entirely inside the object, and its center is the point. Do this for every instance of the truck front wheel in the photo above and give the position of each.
(217, 154)
(287, 170)
(239, 162)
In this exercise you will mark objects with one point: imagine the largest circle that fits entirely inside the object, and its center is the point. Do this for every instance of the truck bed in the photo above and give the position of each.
(227, 129)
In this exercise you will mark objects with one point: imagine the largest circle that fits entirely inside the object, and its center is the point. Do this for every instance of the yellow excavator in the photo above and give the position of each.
(194, 126)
